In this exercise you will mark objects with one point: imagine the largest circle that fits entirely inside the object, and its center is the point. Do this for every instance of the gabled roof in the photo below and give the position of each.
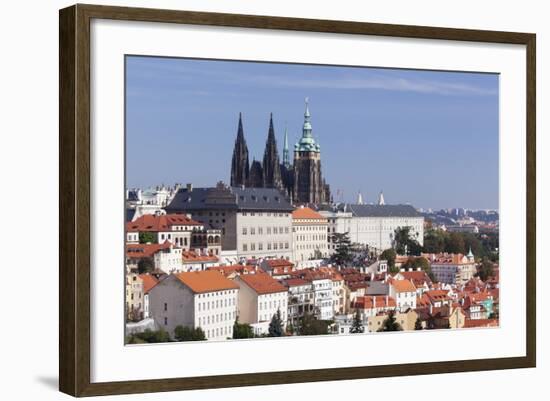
(262, 283)
(145, 250)
(192, 256)
(307, 213)
(153, 223)
(403, 286)
(206, 281)
(417, 277)
(148, 282)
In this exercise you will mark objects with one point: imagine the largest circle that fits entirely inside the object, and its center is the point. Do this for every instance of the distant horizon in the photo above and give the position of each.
(425, 138)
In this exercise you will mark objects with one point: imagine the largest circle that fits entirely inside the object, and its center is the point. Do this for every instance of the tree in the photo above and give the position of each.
(149, 336)
(454, 243)
(146, 265)
(342, 254)
(146, 238)
(405, 243)
(276, 325)
(357, 324)
(434, 241)
(418, 324)
(389, 255)
(390, 324)
(485, 271)
(242, 330)
(310, 326)
(184, 333)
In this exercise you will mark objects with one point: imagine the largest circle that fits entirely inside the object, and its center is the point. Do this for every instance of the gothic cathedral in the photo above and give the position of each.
(302, 181)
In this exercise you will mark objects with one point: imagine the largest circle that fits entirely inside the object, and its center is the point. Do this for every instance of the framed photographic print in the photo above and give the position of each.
(256, 189)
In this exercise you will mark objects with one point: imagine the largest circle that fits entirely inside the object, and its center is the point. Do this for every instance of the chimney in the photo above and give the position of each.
(189, 187)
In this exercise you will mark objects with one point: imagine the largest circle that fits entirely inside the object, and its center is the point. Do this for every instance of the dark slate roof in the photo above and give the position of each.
(130, 214)
(132, 196)
(383, 211)
(232, 198)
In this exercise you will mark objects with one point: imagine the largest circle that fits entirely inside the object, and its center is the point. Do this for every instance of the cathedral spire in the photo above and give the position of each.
(360, 199)
(239, 161)
(286, 154)
(271, 165)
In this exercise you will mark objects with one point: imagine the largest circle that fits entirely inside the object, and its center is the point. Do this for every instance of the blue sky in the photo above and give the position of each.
(427, 138)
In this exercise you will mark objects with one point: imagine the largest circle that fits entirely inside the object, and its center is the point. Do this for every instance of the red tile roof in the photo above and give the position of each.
(192, 256)
(138, 251)
(262, 283)
(148, 282)
(403, 286)
(153, 223)
(374, 302)
(469, 323)
(238, 269)
(206, 281)
(417, 277)
(307, 213)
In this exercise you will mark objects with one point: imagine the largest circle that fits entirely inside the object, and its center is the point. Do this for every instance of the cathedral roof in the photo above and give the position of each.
(229, 198)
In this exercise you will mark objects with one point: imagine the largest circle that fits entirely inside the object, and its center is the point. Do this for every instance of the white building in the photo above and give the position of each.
(254, 222)
(374, 225)
(203, 299)
(451, 268)
(260, 297)
(404, 293)
(310, 235)
(168, 259)
(300, 299)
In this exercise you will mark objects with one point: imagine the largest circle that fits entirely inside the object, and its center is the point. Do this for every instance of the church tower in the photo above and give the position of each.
(239, 162)
(309, 186)
(271, 164)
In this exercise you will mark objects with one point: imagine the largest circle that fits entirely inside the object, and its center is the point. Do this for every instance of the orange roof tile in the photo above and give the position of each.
(153, 223)
(262, 283)
(403, 286)
(193, 256)
(206, 281)
(374, 301)
(240, 269)
(145, 250)
(148, 282)
(307, 213)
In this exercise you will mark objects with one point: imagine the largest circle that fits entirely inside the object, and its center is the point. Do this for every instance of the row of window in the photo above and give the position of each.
(272, 304)
(311, 237)
(218, 303)
(268, 214)
(270, 246)
(221, 317)
(309, 228)
(268, 230)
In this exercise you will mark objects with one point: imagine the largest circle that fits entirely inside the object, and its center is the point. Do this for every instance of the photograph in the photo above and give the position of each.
(270, 199)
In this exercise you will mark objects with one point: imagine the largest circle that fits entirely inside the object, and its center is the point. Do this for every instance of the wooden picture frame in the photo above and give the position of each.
(74, 199)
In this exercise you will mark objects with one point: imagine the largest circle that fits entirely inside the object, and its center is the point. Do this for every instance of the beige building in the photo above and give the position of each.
(260, 297)
(134, 297)
(204, 299)
(309, 235)
(406, 320)
(254, 222)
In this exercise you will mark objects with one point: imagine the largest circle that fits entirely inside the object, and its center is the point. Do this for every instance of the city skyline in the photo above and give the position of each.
(179, 111)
